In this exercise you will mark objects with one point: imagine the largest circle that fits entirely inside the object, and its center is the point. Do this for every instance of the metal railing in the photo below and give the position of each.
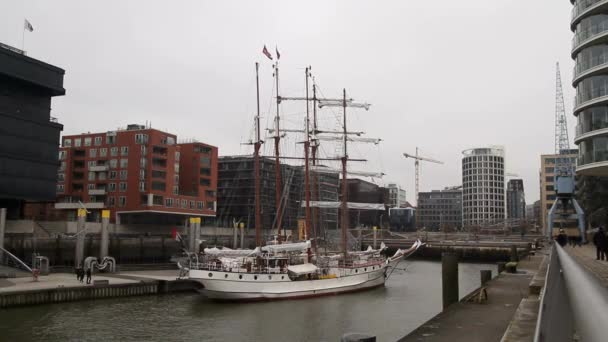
(573, 303)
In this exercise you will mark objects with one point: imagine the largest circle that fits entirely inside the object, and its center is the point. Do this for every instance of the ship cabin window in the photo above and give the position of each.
(210, 275)
(270, 277)
(240, 276)
(225, 276)
(255, 277)
(365, 269)
(282, 277)
(357, 271)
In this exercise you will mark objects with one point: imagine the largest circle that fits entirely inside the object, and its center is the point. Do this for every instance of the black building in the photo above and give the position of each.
(360, 191)
(440, 209)
(516, 199)
(236, 193)
(29, 136)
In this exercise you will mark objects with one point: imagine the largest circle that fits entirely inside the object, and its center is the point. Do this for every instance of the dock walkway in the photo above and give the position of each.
(586, 257)
(470, 321)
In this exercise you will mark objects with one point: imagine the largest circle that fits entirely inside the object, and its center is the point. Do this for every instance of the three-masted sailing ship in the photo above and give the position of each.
(295, 270)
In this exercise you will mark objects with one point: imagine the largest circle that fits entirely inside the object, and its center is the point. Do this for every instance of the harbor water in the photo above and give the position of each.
(412, 295)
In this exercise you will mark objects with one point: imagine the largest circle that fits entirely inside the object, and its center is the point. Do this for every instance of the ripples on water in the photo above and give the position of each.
(409, 299)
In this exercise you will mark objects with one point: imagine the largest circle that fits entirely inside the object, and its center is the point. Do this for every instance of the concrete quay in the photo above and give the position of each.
(486, 315)
(64, 287)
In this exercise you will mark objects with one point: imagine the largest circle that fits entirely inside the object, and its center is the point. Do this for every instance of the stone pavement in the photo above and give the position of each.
(586, 257)
(54, 280)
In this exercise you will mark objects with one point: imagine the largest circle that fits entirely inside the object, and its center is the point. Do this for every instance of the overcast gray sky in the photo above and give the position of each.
(443, 75)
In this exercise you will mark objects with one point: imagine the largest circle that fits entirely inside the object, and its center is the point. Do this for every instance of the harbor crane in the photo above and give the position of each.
(564, 171)
(417, 159)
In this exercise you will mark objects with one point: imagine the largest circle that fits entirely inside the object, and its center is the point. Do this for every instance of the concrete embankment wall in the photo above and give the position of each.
(71, 294)
(58, 295)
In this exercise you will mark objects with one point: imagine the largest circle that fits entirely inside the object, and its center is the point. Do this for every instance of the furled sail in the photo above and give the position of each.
(351, 205)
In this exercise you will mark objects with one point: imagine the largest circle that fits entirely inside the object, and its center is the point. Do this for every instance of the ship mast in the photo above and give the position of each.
(315, 215)
(277, 140)
(344, 221)
(256, 163)
(306, 167)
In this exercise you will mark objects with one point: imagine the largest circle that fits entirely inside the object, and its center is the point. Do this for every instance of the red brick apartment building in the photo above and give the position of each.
(142, 175)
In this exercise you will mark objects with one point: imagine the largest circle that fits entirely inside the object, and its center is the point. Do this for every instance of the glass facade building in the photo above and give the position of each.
(590, 53)
(483, 186)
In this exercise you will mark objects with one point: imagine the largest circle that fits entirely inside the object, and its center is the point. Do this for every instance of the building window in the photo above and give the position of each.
(142, 163)
(111, 201)
(205, 161)
(114, 151)
(141, 138)
(144, 150)
(199, 205)
(142, 186)
(168, 202)
(122, 187)
(93, 153)
(176, 167)
(103, 152)
(160, 186)
(91, 186)
(62, 166)
(87, 141)
(205, 171)
(67, 142)
(175, 189)
(122, 201)
(177, 156)
(91, 176)
(123, 174)
(61, 177)
(62, 155)
(91, 163)
(60, 188)
(97, 141)
(112, 187)
(142, 174)
(205, 182)
(124, 163)
(191, 204)
(113, 163)
(112, 174)
(184, 204)
(159, 174)
(111, 138)
(77, 142)
(124, 151)
(211, 205)
(210, 193)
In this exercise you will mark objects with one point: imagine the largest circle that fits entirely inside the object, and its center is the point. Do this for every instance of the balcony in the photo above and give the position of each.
(93, 192)
(78, 205)
(99, 168)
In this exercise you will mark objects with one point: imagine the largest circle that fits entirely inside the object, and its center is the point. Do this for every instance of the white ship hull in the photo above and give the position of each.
(251, 286)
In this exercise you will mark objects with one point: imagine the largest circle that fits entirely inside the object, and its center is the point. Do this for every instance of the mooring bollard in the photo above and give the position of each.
(449, 278)
(486, 276)
(357, 337)
(514, 255)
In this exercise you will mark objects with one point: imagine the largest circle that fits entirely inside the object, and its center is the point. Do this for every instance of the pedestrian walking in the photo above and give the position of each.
(80, 274)
(88, 275)
(601, 243)
(562, 238)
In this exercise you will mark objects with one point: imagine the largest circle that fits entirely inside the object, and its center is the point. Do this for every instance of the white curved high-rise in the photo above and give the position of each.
(483, 185)
(590, 52)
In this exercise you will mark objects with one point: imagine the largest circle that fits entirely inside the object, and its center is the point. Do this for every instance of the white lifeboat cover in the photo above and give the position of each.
(302, 269)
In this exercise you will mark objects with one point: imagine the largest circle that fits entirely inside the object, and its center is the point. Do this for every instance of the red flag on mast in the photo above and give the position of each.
(278, 54)
(265, 51)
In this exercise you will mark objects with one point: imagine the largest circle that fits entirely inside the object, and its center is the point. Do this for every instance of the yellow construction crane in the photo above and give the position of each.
(417, 159)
